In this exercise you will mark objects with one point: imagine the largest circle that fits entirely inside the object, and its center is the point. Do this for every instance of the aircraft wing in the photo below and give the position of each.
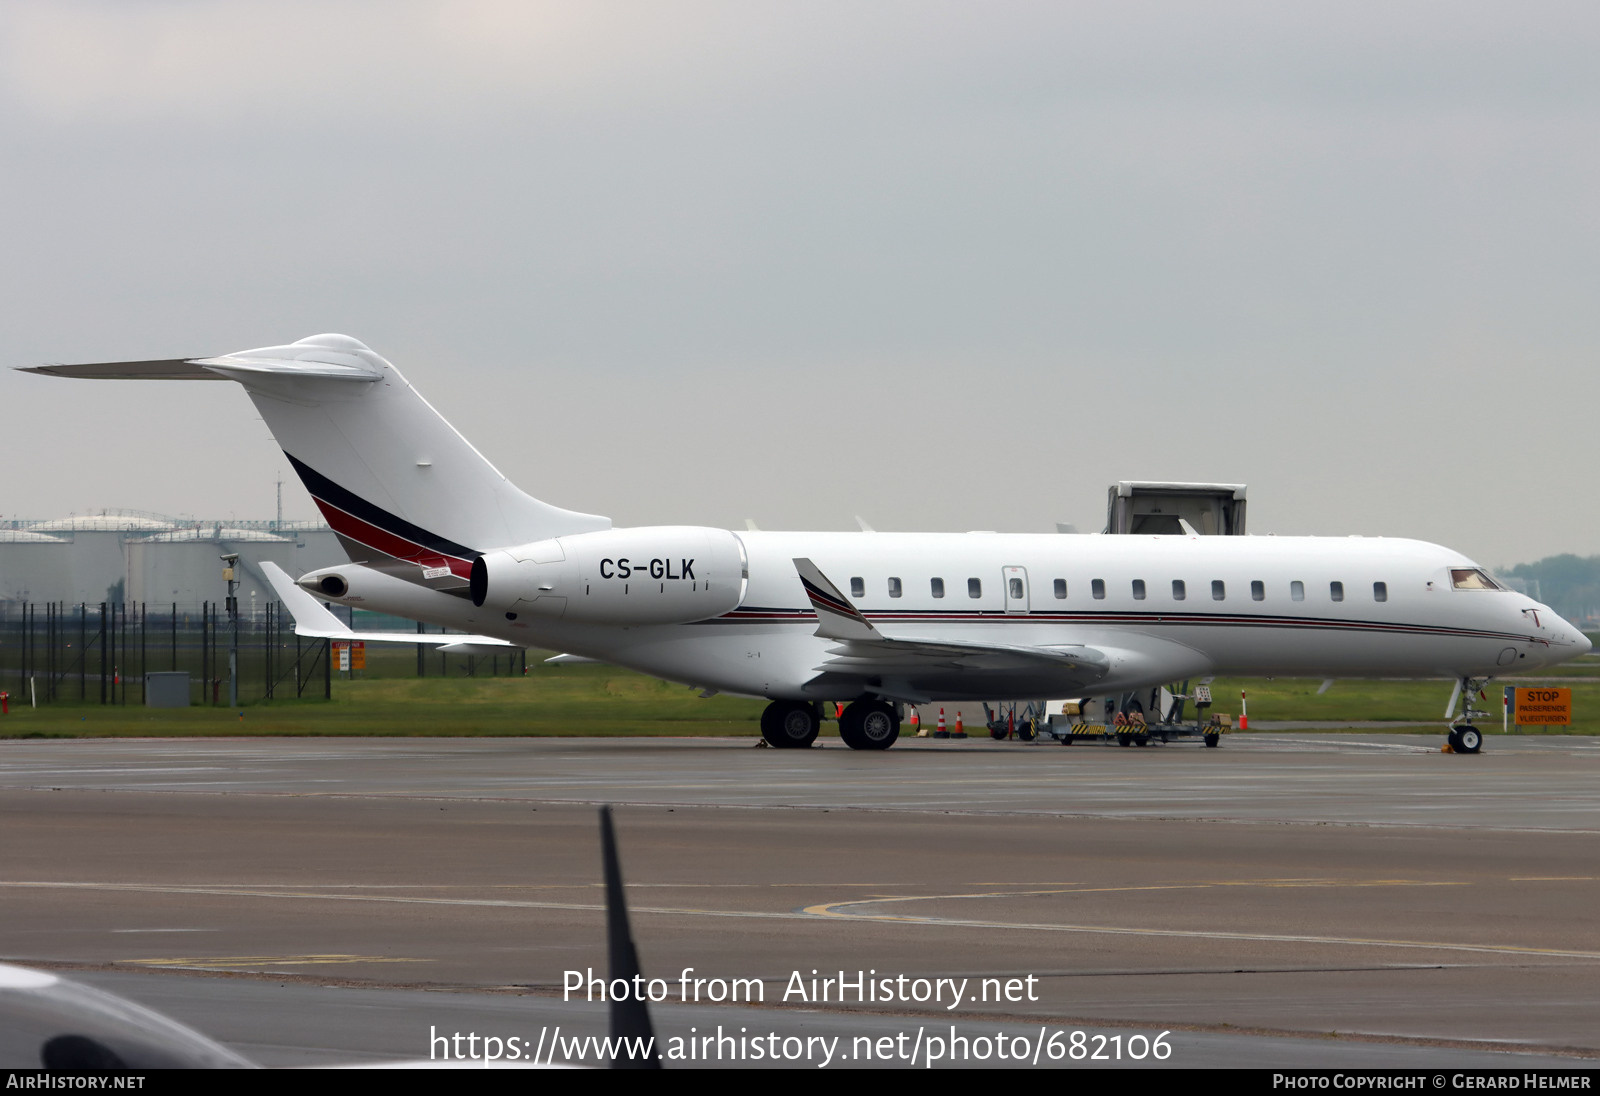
(313, 620)
(865, 651)
(894, 655)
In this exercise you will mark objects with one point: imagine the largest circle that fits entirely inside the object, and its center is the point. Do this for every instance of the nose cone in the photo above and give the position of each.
(1566, 639)
(1561, 639)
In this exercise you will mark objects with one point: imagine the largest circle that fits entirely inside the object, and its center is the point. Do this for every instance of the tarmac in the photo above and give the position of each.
(1283, 901)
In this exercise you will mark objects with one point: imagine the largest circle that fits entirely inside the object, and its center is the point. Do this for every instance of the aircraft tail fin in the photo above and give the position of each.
(404, 491)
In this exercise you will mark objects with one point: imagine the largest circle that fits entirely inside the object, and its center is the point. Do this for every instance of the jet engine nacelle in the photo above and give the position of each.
(358, 586)
(671, 574)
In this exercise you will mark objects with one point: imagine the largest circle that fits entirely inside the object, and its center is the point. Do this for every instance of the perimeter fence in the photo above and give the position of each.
(55, 653)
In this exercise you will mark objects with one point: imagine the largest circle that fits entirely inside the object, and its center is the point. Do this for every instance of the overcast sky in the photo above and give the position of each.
(944, 265)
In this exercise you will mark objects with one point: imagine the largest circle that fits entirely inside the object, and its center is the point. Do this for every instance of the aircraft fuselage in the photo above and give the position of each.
(1161, 608)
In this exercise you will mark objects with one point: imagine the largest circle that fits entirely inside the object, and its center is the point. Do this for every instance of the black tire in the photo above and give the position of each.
(850, 726)
(1026, 732)
(1124, 739)
(1469, 740)
(1454, 738)
(869, 725)
(1212, 740)
(789, 724)
(997, 732)
(1141, 740)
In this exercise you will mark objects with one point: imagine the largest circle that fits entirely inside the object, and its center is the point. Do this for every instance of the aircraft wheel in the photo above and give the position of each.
(1469, 740)
(1026, 732)
(1213, 739)
(869, 725)
(850, 727)
(997, 732)
(1454, 738)
(789, 724)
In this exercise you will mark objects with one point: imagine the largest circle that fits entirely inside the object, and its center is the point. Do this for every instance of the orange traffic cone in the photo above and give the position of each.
(959, 732)
(941, 732)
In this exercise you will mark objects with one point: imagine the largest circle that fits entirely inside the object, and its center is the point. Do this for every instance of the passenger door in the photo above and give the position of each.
(1015, 582)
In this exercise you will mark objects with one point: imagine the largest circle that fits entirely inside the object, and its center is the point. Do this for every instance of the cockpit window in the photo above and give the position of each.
(1464, 578)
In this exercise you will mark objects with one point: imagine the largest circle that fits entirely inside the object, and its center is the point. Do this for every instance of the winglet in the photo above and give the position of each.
(836, 617)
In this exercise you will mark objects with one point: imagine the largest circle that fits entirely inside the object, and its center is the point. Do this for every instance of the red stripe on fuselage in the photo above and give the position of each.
(379, 540)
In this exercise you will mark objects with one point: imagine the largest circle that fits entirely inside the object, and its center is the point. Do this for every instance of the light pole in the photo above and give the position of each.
(233, 622)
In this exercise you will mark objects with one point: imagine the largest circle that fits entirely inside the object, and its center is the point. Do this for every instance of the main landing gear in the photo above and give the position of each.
(869, 725)
(864, 725)
(1464, 737)
(790, 724)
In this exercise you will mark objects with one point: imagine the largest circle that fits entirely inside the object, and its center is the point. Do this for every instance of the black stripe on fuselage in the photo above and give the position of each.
(1108, 617)
(323, 488)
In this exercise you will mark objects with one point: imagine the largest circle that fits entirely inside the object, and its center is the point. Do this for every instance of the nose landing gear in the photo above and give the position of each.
(1464, 737)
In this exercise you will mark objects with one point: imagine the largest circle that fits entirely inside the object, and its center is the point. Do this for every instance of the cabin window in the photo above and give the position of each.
(1380, 591)
(1016, 589)
(1179, 591)
(1219, 590)
(894, 587)
(1297, 590)
(1061, 589)
(937, 586)
(1336, 591)
(974, 587)
(1138, 589)
(858, 587)
(1098, 589)
(1258, 590)
(1472, 579)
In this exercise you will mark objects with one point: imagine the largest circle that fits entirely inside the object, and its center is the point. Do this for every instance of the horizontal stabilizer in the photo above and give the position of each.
(170, 369)
(311, 617)
(314, 621)
(241, 366)
(277, 360)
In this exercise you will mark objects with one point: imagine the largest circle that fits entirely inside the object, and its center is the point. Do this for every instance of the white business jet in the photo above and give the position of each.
(876, 621)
